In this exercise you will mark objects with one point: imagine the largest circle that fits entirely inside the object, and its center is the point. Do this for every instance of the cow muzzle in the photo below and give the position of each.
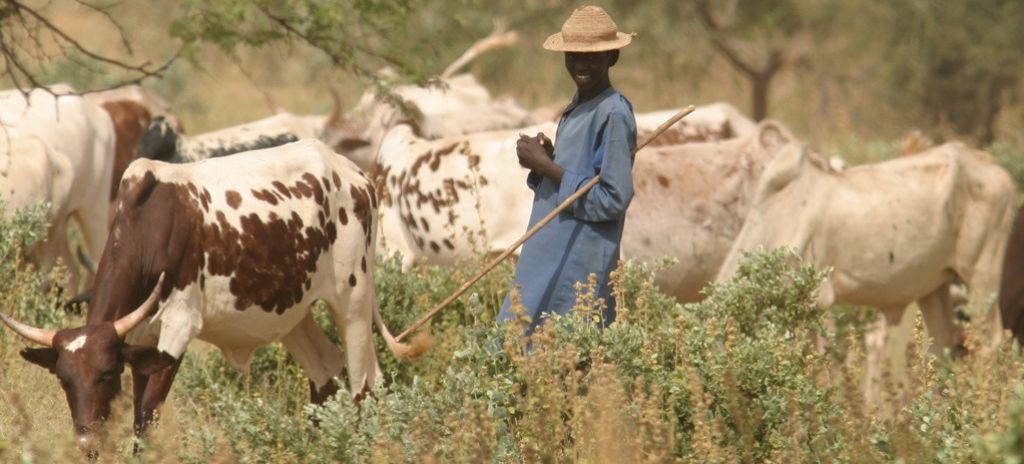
(87, 443)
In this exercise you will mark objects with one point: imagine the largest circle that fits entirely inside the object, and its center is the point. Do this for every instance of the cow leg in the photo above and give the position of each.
(875, 339)
(355, 327)
(46, 253)
(149, 393)
(94, 234)
(937, 309)
(320, 359)
(982, 288)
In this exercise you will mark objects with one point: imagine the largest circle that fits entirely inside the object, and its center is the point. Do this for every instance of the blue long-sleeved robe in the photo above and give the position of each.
(594, 137)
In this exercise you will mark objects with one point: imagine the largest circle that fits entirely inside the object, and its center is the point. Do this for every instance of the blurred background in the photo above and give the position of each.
(848, 77)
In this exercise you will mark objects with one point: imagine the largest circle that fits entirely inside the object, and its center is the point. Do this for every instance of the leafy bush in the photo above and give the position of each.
(755, 373)
(24, 294)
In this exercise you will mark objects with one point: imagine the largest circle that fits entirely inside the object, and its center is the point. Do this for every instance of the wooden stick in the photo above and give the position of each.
(533, 230)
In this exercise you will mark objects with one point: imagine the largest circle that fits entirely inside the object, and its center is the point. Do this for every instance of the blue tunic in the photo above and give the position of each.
(594, 137)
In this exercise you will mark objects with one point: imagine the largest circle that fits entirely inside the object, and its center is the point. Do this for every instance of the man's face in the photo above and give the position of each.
(589, 69)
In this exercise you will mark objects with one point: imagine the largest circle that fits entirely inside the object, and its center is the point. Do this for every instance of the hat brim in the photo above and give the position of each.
(557, 43)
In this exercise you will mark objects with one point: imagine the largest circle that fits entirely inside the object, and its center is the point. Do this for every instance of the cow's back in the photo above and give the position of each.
(689, 205)
(267, 229)
(80, 138)
(272, 131)
(453, 198)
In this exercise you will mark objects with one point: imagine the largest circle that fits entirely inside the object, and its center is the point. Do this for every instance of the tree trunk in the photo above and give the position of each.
(759, 94)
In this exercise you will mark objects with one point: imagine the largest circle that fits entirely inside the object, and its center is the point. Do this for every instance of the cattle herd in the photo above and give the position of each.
(192, 243)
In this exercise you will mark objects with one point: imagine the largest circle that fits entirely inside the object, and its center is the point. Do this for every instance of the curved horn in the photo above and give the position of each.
(125, 324)
(335, 118)
(40, 336)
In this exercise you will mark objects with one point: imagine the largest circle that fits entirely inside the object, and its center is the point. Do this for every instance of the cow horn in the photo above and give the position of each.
(334, 119)
(40, 336)
(125, 324)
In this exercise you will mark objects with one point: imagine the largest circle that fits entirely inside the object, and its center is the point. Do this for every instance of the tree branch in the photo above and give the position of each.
(715, 31)
(105, 11)
(34, 24)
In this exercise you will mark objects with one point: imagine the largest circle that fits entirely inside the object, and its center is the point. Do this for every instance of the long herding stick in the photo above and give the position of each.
(533, 230)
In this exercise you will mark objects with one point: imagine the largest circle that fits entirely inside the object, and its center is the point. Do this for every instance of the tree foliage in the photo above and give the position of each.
(358, 36)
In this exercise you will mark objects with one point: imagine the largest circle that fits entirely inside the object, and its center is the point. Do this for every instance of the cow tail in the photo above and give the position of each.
(406, 352)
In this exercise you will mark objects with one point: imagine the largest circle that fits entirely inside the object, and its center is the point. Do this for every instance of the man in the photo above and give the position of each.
(596, 135)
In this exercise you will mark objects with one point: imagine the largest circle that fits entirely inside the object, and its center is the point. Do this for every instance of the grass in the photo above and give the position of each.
(752, 374)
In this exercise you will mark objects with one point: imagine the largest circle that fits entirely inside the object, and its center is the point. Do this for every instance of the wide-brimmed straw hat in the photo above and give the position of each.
(589, 29)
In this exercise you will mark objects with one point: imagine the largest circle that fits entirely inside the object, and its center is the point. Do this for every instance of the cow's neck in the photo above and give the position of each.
(120, 287)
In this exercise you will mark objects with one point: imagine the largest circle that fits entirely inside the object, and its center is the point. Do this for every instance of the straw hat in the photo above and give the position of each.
(589, 29)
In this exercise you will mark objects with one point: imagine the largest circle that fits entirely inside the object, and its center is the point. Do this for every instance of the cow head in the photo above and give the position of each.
(358, 135)
(160, 141)
(88, 361)
(347, 135)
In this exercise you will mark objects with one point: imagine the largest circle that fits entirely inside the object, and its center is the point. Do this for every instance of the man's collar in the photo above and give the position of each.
(576, 98)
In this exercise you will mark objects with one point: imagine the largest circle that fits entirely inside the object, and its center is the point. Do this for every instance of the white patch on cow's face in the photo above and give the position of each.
(75, 344)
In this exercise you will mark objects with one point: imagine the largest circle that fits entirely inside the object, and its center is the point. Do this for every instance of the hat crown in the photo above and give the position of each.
(588, 29)
(589, 24)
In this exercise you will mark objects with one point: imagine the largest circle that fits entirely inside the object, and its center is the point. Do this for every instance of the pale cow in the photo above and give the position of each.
(233, 251)
(690, 203)
(892, 233)
(60, 150)
(458, 105)
(707, 123)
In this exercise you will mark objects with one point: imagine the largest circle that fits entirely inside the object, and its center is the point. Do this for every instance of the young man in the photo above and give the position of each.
(596, 135)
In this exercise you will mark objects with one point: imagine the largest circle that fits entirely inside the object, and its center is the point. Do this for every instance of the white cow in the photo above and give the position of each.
(893, 233)
(57, 149)
(707, 123)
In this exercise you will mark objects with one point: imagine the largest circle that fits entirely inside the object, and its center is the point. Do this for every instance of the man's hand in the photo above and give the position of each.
(534, 153)
(537, 154)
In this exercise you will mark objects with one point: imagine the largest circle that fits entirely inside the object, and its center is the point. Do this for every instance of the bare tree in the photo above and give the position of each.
(29, 39)
(759, 59)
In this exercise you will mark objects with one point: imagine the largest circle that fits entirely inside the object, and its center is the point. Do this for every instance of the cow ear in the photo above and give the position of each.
(146, 360)
(43, 357)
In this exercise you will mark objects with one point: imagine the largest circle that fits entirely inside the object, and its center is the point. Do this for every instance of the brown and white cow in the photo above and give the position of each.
(233, 251)
(60, 150)
(892, 233)
(130, 119)
(162, 141)
(454, 198)
(139, 95)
